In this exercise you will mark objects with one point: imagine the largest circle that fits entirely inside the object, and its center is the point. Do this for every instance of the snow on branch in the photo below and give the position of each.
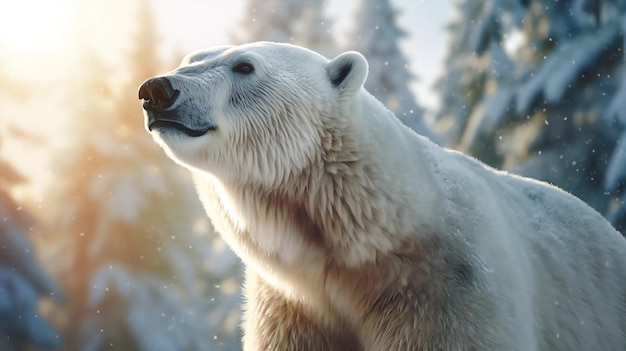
(160, 315)
(18, 311)
(480, 37)
(616, 170)
(617, 108)
(563, 67)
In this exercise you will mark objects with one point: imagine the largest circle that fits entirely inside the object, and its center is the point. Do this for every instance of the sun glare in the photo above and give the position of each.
(33, 25)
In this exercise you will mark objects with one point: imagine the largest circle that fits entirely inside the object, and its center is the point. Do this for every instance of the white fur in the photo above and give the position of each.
(358, 233)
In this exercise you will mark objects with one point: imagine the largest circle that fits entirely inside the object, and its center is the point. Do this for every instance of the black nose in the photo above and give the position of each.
(157, 94)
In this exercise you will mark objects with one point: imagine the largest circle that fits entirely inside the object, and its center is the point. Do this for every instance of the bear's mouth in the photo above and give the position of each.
(165, 124)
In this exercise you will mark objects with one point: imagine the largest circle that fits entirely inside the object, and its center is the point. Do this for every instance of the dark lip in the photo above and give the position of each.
(171, 124)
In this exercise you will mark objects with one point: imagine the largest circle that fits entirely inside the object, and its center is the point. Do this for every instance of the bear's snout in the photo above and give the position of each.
(161, 112)
(157, 93)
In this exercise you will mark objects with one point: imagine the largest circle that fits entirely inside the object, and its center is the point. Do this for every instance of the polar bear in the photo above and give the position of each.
(358, 234)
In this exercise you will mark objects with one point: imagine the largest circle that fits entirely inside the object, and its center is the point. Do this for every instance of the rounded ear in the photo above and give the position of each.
(347, 72)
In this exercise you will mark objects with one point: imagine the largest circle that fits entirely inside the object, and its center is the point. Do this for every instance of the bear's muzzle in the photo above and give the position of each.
(158, 97)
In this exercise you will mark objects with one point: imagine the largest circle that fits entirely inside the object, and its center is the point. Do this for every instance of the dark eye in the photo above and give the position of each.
(243, 68)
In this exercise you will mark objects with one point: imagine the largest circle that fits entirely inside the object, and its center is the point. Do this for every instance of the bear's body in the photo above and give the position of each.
(358, 234)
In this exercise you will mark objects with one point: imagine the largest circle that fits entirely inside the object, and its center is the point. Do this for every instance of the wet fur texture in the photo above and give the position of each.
(358, 234)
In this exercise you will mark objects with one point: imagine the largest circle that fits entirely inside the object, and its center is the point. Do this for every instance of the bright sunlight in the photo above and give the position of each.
(33, 25)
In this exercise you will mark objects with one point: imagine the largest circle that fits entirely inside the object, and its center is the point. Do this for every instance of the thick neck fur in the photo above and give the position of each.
(345, 209)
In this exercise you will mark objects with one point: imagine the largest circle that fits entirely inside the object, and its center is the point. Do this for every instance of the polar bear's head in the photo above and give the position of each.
(252, 113)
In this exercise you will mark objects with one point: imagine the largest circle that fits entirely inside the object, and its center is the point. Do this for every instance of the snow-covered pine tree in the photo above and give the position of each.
(23, 282)
(376, 35)
(139, 266)
(267, 20)
(297, 22)
(462, 84)
(312, 28)
(538, 87)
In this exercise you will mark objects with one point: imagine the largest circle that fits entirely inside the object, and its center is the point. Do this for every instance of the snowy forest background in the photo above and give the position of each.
(113, 250)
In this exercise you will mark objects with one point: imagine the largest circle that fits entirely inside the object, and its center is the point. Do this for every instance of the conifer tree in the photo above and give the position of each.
(376, 35)
(23, 281)
(538, 87)
(297, 22)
